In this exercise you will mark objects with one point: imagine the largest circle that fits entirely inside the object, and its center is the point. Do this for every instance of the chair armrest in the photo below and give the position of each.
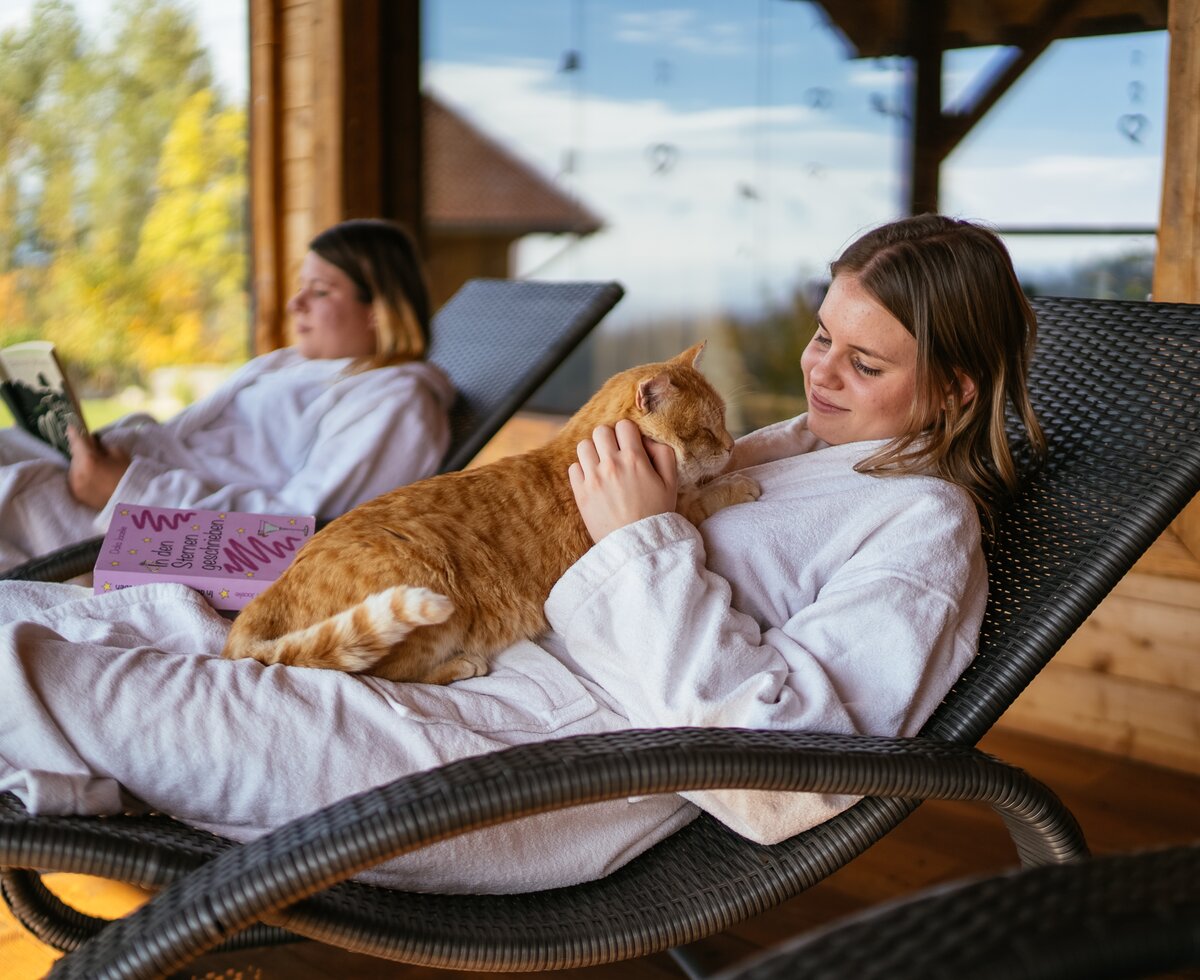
(248, 883)
(59, 565)
(1121, 915)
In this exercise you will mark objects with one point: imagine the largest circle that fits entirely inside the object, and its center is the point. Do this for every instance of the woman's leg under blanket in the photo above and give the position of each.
(37, 511)
(120, 696)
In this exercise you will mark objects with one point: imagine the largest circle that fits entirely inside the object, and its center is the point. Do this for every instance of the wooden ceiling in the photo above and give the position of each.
(877, 28)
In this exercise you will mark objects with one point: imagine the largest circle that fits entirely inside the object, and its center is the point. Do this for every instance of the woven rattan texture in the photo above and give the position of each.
(672, 898)
(499, 340)
(1116, 386)
(1130, 915)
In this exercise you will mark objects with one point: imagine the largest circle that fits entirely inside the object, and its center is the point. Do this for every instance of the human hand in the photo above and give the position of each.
(621, 477)
(94, 471)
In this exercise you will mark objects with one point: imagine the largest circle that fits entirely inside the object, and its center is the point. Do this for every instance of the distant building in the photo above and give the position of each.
(480, 199)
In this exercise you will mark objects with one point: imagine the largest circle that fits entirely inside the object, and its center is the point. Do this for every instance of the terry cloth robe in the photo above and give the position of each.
(285, 435)
(837, 602)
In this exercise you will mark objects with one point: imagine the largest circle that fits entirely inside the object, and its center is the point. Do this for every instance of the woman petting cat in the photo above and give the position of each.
(347, 412)
(846, 598)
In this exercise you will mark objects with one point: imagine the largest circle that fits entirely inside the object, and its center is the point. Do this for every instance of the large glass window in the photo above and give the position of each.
(729, 149)
(710, 155)
(123, 236)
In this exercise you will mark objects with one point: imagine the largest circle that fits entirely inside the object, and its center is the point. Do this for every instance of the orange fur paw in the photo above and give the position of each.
(459, 669)
(725, 491)
(739, 489)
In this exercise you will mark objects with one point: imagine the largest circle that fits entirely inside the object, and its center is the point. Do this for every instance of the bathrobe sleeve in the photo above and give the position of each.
(875, 650)
(384, 432)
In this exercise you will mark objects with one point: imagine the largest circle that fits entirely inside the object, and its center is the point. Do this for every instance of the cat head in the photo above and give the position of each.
(675, 404)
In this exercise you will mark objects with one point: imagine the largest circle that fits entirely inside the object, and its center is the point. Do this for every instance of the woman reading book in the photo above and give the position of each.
(349, 411)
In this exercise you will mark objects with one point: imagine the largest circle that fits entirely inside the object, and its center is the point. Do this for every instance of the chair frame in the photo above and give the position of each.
(1125, 459)
(1116, 916)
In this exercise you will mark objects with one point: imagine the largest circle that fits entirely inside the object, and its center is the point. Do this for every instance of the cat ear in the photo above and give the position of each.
(652, 392)
(692, 354)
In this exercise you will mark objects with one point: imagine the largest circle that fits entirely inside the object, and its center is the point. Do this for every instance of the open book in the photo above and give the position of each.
(36, 391)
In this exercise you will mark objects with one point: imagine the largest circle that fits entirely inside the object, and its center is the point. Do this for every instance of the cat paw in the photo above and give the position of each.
(740, 489)
(459, 669)
(725, 491)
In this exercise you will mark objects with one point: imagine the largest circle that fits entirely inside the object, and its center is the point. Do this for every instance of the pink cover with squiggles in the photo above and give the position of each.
(227, 556)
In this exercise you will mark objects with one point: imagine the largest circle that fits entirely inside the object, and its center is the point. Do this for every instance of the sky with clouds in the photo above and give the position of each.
(732, 147)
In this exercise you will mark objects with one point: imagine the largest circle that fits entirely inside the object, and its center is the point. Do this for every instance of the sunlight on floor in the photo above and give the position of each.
(24, 957)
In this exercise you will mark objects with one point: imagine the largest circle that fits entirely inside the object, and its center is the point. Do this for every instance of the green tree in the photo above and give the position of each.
(43, 101)
(122, 192)
(153, 67)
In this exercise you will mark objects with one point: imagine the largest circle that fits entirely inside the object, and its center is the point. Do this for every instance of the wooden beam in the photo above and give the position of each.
(1177, 263)
(1053, 23)
(935, 132)
(267, 252)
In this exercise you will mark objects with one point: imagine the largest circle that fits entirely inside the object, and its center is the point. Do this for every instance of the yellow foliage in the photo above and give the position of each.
(13, 309)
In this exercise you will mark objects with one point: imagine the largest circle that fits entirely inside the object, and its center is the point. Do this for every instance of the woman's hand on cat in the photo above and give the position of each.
(621, 477)
(94, 471)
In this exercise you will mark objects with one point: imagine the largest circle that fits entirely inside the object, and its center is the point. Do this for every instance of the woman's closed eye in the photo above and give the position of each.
(821, 339)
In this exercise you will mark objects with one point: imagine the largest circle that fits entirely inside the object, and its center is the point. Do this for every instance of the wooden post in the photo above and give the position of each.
(266, 181)
(1177, 263)
(370, 111)
(336, 117)
(925, 26)
(402, 174)
(328, 81)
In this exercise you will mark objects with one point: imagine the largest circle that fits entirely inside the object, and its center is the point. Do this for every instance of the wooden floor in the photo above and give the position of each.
(1121, 806)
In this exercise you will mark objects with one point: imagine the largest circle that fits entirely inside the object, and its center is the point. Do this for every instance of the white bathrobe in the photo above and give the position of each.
(837, 602)
(285, 435)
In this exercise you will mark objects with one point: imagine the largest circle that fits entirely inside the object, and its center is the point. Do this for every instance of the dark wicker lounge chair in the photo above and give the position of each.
(1117, 386)
(1111, 918)
(497, 339)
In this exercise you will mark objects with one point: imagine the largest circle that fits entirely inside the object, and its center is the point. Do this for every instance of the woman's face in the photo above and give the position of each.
(859, 369)
(329, 319)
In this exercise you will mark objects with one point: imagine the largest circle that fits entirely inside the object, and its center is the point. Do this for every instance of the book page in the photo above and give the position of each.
(37, 392)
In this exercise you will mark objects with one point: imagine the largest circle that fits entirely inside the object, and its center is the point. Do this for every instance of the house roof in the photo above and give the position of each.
(473, 184)
(876, 28)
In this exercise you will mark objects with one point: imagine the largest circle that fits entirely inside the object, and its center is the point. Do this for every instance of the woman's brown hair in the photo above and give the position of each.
(951, 283)
(382, 260)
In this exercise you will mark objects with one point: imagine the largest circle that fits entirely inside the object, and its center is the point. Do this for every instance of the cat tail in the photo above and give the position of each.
(356, 638)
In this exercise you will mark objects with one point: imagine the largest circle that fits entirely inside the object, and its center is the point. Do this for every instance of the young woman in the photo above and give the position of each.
(346, 413)
(848, 598)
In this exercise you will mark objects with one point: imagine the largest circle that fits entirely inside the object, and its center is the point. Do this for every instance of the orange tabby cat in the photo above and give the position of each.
(425, 582)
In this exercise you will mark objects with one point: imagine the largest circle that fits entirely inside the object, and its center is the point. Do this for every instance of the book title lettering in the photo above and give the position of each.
(227, 556)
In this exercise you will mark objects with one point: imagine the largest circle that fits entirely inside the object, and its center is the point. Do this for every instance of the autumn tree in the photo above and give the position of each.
(122, 191)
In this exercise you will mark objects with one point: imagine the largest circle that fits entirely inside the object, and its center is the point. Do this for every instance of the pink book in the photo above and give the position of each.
(227, 556)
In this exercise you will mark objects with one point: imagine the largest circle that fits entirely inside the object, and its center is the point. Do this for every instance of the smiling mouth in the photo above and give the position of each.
(816, 401)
